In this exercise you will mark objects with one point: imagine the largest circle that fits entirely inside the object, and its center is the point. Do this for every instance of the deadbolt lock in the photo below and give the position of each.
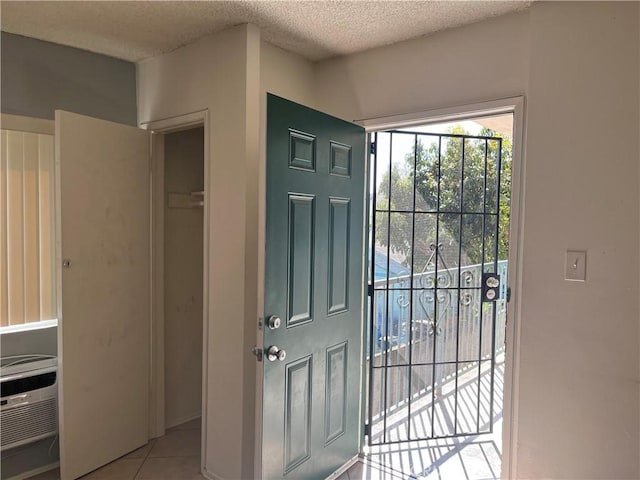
(274, 322)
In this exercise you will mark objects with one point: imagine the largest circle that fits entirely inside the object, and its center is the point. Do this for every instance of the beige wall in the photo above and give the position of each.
(579, 341)
(577, 404)
(577, 64)
(287, 75)
(216, 74)
(183, 263)
(483, 61)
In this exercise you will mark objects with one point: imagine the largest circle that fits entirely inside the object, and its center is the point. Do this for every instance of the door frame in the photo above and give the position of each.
(157, 352)
(516, 106)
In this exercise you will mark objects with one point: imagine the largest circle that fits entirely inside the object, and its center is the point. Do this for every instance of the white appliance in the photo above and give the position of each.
(28, 401)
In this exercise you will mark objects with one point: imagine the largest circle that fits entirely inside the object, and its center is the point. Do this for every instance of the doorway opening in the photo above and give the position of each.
(440, 207)
(183, 275)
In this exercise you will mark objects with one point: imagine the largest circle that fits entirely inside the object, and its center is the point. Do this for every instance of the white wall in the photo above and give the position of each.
(577, 64)
(287, 75)
(483, 61)
(579, 341)
(220, 73)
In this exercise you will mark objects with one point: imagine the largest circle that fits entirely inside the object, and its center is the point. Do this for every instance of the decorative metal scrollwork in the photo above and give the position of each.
(402, 301)
(434, 329)
(467, 277)
(466, 299)
(427, 280)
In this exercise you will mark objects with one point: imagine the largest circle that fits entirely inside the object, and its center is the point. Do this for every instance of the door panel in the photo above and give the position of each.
(313, 281)
(338, 281)
(103, 334)
(300, 255)
(297, 419)
(336, 392)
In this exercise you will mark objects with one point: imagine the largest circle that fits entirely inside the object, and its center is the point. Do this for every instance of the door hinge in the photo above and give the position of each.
(372, 148)
(508, 294)
(367, 429)
(257, 352)
(370, 290)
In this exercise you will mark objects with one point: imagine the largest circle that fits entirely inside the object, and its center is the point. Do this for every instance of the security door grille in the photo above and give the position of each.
(436, 285)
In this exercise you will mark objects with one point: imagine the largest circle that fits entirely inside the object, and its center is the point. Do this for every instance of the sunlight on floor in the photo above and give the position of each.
(476, 457)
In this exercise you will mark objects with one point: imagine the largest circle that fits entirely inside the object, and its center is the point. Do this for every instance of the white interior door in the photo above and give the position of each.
(103, 186)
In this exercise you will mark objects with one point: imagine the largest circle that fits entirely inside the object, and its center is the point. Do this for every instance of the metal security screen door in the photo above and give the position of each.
(437, 288)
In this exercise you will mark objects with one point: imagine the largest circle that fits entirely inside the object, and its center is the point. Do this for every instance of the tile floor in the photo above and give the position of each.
(176, 456)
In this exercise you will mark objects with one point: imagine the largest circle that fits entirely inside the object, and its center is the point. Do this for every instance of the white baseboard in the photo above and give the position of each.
(210, 476)
(344, 468)
(180, 421)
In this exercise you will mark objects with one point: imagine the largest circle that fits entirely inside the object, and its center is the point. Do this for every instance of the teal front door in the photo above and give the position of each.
(313, 292)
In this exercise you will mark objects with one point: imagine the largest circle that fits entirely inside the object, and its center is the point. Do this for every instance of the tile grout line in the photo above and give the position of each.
(144, 459)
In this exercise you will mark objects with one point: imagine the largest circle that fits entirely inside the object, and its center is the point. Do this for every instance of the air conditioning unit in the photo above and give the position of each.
(28, 402)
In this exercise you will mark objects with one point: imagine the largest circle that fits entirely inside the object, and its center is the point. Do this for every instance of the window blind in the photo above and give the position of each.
(27, 236)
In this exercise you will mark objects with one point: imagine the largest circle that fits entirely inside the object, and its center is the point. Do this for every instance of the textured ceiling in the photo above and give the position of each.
(134, 30)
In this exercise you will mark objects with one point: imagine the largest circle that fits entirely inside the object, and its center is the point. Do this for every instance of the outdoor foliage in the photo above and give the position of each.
(433, 161)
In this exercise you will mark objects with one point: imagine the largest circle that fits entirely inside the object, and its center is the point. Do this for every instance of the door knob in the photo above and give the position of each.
(273, 322)
(274, 353)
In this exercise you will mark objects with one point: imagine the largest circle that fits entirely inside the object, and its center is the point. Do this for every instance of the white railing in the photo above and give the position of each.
(420, 330)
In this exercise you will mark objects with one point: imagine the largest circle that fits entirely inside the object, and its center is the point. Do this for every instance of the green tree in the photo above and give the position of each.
(439, 176)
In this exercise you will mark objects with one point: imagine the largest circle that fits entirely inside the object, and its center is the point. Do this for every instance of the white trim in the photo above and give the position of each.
(58, 286)
(364, 321)
(516, 233)
(442, 115)
(260, 290)
(26, 124)
(211, 476)
(175, 124)
(164, 126)
(156, 352)
(516, 106)
(348, 464)
(25, 327)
